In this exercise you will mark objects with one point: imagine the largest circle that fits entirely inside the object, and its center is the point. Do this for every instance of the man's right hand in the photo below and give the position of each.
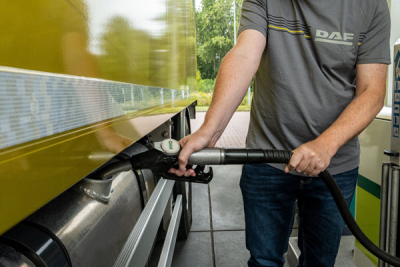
(190, 144)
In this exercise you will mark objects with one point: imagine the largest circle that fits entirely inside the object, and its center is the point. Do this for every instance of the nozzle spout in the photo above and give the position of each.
(208, 156)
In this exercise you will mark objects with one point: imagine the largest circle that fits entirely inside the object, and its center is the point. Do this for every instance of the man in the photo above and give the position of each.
(306, 56)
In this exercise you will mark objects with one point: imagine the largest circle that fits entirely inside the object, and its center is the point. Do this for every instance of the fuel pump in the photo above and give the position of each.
(165, 155)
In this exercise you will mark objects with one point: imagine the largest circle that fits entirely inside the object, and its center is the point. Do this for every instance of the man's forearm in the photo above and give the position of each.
(353, 120)
(370, 95)
(232, 82)
(234, 77)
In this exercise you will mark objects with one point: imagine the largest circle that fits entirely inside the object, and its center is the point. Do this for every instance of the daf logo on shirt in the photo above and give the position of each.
(345, 38)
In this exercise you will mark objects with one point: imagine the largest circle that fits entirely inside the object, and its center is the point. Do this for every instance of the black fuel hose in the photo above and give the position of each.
(251, 156)
(254, 156)
(351, 223)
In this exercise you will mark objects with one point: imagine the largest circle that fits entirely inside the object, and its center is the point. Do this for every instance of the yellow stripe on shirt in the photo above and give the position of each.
(286, 29)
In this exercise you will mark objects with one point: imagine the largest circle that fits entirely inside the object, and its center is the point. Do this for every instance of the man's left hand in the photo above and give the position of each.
(310, 158)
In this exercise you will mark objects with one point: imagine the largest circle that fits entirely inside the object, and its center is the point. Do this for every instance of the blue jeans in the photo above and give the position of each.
(269, 197)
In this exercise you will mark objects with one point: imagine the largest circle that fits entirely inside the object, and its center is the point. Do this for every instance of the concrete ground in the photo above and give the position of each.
(217, 237)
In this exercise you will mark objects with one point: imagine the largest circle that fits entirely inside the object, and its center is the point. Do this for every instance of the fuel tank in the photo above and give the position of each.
(87, 225)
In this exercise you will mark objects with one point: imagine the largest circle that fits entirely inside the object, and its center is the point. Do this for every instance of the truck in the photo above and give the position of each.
(84, 84)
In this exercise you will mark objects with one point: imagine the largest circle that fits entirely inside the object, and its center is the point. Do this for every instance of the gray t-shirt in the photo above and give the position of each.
(307, 73)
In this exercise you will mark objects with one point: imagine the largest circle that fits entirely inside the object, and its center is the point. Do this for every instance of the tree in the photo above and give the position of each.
(215, 34)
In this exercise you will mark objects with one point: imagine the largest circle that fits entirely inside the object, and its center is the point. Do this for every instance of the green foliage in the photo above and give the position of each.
(215, 37)
(206, 86)
(215, 34)
(198, 77)
(206, 69)
(245, 100)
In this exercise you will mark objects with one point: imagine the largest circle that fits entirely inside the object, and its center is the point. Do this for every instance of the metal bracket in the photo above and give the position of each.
(391, 153)
(137, 248)
(161, 132)
(98, 189)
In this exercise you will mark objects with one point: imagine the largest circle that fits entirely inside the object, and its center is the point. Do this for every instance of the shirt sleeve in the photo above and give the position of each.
(375, 47)
(254, 16)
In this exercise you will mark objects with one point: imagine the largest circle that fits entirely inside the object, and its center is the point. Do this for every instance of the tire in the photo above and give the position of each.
(185, 189)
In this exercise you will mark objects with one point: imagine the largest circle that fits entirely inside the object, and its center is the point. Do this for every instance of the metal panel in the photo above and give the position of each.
(71, 80)
(170, 240)
(36, 104)
(34, 173)
(395, 131)
(394, 210)
(386, 168)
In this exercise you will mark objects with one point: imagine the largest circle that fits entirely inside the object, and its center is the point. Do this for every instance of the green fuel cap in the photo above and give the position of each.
(170, 146)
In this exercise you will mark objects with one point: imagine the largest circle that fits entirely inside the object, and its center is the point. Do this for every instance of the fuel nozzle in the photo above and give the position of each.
(172, 148)
(165, 155)
(223, 156)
